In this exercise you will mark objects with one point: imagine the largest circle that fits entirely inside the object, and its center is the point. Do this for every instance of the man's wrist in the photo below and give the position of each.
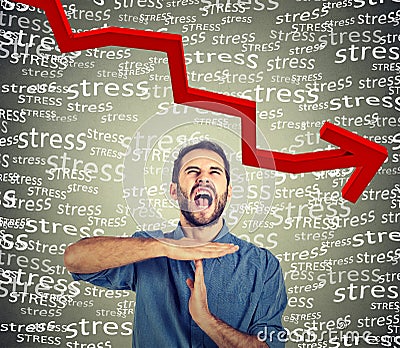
(160, 248)
(206, 321)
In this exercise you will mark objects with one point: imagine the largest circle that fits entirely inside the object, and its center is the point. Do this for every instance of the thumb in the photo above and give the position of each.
(190, 284)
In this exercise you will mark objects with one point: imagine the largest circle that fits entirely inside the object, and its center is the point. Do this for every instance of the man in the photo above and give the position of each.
(198, 286)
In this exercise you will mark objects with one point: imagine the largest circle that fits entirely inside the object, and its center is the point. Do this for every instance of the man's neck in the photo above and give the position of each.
(205, 233)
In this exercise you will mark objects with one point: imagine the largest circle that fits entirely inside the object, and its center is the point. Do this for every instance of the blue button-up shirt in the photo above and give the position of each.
(245, 290)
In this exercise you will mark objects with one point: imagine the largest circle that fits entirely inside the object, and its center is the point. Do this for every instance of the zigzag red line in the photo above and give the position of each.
(172, 45)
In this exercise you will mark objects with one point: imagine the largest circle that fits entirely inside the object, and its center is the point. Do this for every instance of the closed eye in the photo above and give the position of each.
(216, 170)
(190, 170)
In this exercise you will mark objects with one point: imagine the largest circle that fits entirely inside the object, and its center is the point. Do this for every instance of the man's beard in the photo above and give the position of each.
(200, 220)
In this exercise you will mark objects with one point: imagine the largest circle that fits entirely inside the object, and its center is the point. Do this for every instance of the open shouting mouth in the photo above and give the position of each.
(203, 197)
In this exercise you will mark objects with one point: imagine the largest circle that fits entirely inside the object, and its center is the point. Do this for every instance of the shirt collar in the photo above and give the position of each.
(178, 232)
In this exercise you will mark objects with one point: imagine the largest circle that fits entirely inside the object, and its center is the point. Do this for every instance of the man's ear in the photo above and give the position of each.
(229, 192)
(173, 190)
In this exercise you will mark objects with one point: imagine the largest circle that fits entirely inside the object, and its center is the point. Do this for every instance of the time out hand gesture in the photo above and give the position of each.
(191, 249)
(98, 253)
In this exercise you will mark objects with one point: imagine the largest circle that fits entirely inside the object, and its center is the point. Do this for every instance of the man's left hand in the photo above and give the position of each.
(198, 305)
(221, 333)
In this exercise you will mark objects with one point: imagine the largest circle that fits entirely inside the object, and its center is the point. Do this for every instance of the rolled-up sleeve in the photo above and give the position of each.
(118, 278)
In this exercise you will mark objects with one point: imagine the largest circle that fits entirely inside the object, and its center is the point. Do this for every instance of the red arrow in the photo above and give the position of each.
(355, 151)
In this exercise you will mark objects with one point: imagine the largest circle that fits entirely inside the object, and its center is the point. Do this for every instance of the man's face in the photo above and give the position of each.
(202, 190)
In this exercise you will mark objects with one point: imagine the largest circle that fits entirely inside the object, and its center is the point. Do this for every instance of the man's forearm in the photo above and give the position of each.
(98, 253)
(226, 336)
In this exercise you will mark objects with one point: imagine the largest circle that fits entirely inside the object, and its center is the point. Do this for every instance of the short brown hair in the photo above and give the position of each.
(206, 145)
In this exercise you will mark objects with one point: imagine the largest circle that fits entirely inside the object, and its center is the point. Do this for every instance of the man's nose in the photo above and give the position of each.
(202, 179)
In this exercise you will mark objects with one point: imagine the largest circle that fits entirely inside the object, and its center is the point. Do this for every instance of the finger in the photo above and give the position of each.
(199, 274)
(220, 245)
(198, 263)
(190, 284)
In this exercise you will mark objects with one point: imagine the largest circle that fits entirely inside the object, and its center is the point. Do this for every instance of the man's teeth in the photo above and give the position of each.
(203, 192)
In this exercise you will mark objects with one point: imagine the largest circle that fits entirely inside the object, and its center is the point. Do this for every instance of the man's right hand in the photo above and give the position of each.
(192, 249)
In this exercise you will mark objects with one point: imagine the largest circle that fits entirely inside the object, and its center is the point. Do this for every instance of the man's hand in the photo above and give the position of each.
(221, 333)
(198, 305)
(191, 249)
